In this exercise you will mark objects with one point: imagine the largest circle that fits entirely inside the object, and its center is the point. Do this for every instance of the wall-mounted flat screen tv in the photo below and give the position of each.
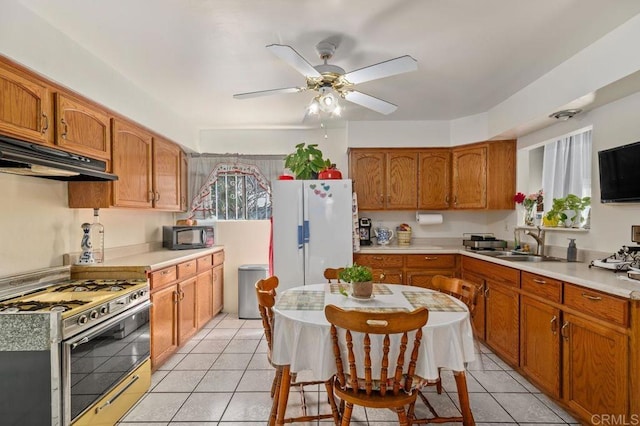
(620, 174)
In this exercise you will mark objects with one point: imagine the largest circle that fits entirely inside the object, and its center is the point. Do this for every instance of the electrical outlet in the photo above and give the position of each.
(635, 233)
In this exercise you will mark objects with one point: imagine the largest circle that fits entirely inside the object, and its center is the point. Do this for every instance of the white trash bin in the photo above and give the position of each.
(247, 300)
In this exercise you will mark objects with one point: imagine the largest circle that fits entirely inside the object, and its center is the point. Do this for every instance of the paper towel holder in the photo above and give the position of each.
(428, 218)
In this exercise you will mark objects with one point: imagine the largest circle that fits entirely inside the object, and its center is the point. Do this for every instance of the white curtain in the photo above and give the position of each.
(202, 166)
(566, 167)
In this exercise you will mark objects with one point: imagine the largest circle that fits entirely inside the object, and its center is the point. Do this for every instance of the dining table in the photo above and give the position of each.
(302, 334)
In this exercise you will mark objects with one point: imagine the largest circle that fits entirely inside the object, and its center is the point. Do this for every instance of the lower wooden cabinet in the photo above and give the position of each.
(502, 307)
(540, 344)
(184, 298)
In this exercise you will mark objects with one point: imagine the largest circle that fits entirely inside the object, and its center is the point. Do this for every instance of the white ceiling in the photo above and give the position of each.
(193, 55)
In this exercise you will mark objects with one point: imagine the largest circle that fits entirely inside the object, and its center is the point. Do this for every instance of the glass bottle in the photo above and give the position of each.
(96, 236)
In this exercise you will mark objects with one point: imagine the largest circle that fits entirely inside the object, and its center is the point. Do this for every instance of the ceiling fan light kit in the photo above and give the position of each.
(332, 82)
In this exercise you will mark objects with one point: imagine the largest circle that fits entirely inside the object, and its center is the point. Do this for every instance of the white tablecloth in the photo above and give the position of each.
(302, 338)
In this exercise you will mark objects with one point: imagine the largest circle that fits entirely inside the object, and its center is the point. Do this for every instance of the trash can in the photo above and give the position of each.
(247, 301)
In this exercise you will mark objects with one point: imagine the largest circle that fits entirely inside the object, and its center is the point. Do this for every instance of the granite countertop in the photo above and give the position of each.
(573, 272)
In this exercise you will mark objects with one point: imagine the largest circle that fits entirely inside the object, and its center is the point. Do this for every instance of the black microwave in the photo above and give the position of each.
(187, 237)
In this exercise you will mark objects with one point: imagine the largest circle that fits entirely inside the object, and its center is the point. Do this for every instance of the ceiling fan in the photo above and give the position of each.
(331, 80)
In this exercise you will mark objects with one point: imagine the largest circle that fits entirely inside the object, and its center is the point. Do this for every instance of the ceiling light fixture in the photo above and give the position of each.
(565, 114)
(326, 102)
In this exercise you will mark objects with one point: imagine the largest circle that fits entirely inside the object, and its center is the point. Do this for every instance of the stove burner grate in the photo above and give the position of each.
(36, 305)
(91, 285)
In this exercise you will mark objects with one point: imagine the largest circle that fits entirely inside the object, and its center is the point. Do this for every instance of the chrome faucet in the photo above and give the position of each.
(539, 237)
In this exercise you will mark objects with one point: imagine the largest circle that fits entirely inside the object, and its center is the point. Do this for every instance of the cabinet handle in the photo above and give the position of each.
(176, 297)
(181, 295)
(150, 196)
(381, 277)
(455, 200)
(590, 297)
(486, 293)
(382, 198)
(554, 325)
(539, 281)
(66, 129)
(446, 200)
(45, 127)
(157, 197)
(165, 272)
(431, 258)
(377, 258)
(563, 333)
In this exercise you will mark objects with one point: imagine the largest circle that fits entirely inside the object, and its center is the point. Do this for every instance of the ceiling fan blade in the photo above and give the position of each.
(383, 69)
(368, 101)
(293, 58)
(268, 92)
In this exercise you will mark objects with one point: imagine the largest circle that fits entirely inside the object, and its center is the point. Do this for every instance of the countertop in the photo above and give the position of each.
(137, 261)
(573, 272)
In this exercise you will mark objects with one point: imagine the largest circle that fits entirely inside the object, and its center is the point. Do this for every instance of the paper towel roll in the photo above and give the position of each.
(428, 218)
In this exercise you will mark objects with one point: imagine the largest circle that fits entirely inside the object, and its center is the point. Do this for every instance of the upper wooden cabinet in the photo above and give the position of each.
(132, 162)
(483, 175)
(81, 127)
(25, 106)
(385, 179)
(477, 176)
(434, 179)
(166, 175)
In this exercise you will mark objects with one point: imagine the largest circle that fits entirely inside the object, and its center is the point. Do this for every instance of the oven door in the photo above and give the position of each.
(95, 361)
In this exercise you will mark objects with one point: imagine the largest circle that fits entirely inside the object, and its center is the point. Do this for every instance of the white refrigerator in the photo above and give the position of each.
(312, 229)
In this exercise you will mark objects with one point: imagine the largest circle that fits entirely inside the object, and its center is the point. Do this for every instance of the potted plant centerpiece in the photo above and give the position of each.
(567, 211)
(360, 278)
(306, 161)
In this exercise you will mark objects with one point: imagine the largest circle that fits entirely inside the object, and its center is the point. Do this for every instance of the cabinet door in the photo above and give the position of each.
(469, 177)
(166, 175)
(204, 294)
(402, 178)
(218, 286)
(132, 163)
(164, 321)
(187, 308)
(184, 182)
(25, 107)
(434, 174)
(540, 344)
(368, 174)
(502, 318)
(82, 128)
(423, 278)
(387, 276)
(596, 368)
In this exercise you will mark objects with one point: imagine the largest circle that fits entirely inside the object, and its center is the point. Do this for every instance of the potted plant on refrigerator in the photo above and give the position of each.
(360, 278)
(306, 161)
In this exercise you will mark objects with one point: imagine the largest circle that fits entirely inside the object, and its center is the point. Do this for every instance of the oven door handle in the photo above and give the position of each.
(100, 327)
(117, 395)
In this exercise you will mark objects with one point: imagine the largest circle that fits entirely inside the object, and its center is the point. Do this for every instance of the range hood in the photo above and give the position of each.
(29, 159)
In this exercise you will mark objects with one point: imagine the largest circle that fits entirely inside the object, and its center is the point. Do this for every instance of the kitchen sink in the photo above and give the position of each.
(520, 257)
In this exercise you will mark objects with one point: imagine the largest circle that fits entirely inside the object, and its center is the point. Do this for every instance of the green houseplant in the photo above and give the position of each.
(567, 211)
(306, 161)
(360, 278)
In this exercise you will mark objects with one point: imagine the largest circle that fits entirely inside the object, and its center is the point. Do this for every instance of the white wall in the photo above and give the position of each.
(614, 124)
(398, 134)
(245, 243)
(37, 227)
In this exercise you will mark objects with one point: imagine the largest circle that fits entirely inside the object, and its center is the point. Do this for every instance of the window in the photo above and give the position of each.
(237, 196)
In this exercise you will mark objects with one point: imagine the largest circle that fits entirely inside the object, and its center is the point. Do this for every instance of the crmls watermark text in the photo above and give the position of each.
(615, 419)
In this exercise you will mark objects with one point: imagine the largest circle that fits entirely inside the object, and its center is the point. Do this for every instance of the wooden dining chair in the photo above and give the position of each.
(266, 294)
(333, 274)
(467, 293)
(390, 386)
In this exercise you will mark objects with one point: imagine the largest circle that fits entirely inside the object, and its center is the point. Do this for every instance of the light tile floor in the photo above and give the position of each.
(222, 377)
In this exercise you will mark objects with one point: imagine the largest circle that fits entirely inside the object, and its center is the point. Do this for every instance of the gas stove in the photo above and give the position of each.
(81, 303)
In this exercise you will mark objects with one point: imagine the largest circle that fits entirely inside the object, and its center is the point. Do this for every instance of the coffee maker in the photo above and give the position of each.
(364, 226)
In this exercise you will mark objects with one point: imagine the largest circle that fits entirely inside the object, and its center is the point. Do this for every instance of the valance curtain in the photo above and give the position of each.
(566, 167)
(204, 170)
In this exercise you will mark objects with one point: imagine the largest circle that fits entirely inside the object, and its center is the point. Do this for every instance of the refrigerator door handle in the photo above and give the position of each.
(306, 231)
(300, 237)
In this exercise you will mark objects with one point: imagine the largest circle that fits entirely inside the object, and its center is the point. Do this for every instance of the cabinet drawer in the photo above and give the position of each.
(218, 258)
(541, 286)
(186, 269)
(597, 304)
(204, 263)
(162, 277)
(431, 261)
(379, 260)
(492, 271)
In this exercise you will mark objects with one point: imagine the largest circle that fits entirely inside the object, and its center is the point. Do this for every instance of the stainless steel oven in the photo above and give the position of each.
(97, 360)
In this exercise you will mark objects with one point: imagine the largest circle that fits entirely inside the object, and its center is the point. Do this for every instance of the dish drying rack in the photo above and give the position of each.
(624, 260)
